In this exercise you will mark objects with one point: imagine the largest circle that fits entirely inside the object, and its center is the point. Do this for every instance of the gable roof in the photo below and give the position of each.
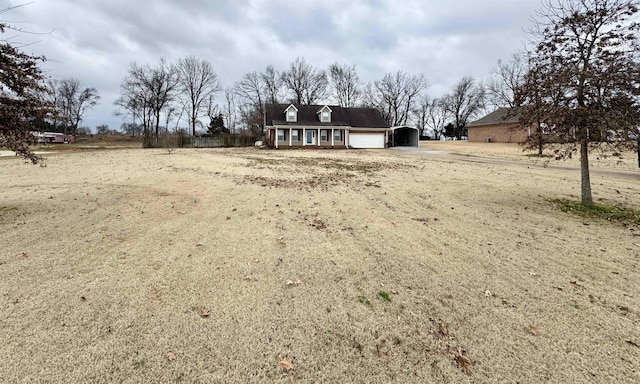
(499, 116)
(340, 116)
(323, 108)
(291, 106)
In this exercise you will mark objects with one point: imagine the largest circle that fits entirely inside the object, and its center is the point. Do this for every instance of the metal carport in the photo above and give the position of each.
(404, 136)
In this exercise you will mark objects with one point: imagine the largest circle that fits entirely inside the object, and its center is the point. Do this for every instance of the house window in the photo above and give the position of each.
(324, 135)
(295, 135)
(291, 116)
(326, 117)
(281, 136)
(337, 135)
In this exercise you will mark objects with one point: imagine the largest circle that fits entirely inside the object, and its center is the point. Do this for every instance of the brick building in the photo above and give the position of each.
(500, 126)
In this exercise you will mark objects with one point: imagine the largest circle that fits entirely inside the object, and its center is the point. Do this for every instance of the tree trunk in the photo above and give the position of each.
(587, 199)
(539, 138)
(638, 149)
(157, 124)
(540, 146)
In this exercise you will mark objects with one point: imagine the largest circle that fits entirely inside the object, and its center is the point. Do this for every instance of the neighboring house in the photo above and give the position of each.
(500, 126)
(324, 126)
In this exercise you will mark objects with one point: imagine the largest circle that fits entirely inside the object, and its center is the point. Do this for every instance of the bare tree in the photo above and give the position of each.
(395, 95)
(87, 99)
(506, 78)
(584, 74)
(132, 104)
(73, 102)
(69, 89)
(345, 83)
(250, 90)
(151, 90)
(465, 102)
(198, 81)
(431, 113)
(53, 97)
(230, 110)
(306, 84)
(272, 85)
(251, 119)
(420, 113)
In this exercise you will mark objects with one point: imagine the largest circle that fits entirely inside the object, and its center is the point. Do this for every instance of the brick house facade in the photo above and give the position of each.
(500, 126)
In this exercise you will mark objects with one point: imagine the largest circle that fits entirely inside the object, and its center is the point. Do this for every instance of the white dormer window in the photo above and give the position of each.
(325, 114)
(291, 114)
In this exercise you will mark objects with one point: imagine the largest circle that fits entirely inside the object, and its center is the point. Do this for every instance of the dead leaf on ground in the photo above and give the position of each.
(488, 293)
(442, 331)
(295, 283)
(248, 278)
(199, 245)
(318, 224)
(285, 364)
(575, 283)
(171, 356)
(463, 361)
(533, 274)
(155, 294)
(202, 311)
(384, 356)
(533, 330)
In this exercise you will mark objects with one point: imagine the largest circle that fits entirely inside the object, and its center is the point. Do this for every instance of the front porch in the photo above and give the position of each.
(308, 137)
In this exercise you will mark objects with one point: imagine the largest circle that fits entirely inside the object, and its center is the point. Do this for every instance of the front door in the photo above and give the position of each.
(311, 137)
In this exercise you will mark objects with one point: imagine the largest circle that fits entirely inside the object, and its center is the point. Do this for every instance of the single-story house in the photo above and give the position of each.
(324, 126)
(500, 126)
(404, 136)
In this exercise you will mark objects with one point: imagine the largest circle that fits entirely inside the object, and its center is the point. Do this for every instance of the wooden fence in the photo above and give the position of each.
(216, 141)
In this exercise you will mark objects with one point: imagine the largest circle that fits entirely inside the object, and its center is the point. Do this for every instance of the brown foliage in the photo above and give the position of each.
(584, 77)
(21, 99)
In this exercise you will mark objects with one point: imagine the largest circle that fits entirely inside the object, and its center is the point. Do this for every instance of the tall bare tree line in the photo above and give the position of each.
(71, 100)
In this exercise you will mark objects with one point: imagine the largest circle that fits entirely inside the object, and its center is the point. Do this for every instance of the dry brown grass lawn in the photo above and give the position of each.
(600, 159)
(312, 267)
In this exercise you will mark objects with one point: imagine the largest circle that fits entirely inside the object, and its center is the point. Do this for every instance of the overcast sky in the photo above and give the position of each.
(95, 41)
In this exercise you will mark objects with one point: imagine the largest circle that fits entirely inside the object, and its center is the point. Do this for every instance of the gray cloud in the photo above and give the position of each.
(96, 41)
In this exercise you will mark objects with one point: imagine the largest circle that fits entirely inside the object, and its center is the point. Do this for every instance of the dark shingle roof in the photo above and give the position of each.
(307, 115)
(499, 116)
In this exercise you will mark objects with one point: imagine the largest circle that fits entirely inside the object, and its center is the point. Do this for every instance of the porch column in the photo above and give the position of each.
(332, 137)
(276, 132)
(289, 136)
(318, 137)
(346, 137)
(304, 137)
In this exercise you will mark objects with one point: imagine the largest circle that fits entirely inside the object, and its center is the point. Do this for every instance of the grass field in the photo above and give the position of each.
(247, 265)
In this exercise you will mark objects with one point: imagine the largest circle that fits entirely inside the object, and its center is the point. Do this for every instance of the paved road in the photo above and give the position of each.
(629, 174)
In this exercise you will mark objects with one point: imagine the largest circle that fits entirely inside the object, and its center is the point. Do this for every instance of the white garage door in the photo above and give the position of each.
(366, 140)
